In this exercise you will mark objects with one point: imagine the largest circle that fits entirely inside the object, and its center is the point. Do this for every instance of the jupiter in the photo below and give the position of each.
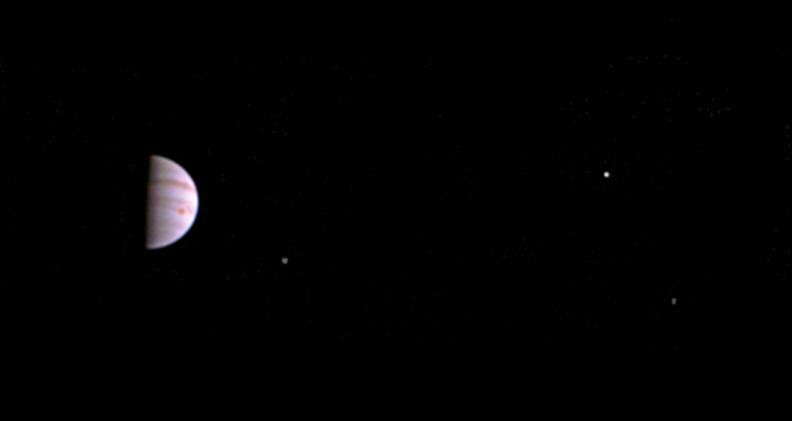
(172, 203)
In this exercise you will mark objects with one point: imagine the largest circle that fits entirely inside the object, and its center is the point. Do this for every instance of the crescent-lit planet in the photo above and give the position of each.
(172, 203)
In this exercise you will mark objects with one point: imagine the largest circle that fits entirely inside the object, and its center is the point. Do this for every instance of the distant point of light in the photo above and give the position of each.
(285, 260)
(673, 301)
(606, 174)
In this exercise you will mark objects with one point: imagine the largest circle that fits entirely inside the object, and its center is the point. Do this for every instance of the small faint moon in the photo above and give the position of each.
(172, 203)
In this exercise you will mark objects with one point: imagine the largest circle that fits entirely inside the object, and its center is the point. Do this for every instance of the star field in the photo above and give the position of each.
(577, 197)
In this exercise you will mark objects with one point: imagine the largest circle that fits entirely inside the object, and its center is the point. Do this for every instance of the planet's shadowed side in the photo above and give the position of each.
(172, 203)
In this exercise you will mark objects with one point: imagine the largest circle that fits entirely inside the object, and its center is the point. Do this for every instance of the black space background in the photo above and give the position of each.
(445, 196)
